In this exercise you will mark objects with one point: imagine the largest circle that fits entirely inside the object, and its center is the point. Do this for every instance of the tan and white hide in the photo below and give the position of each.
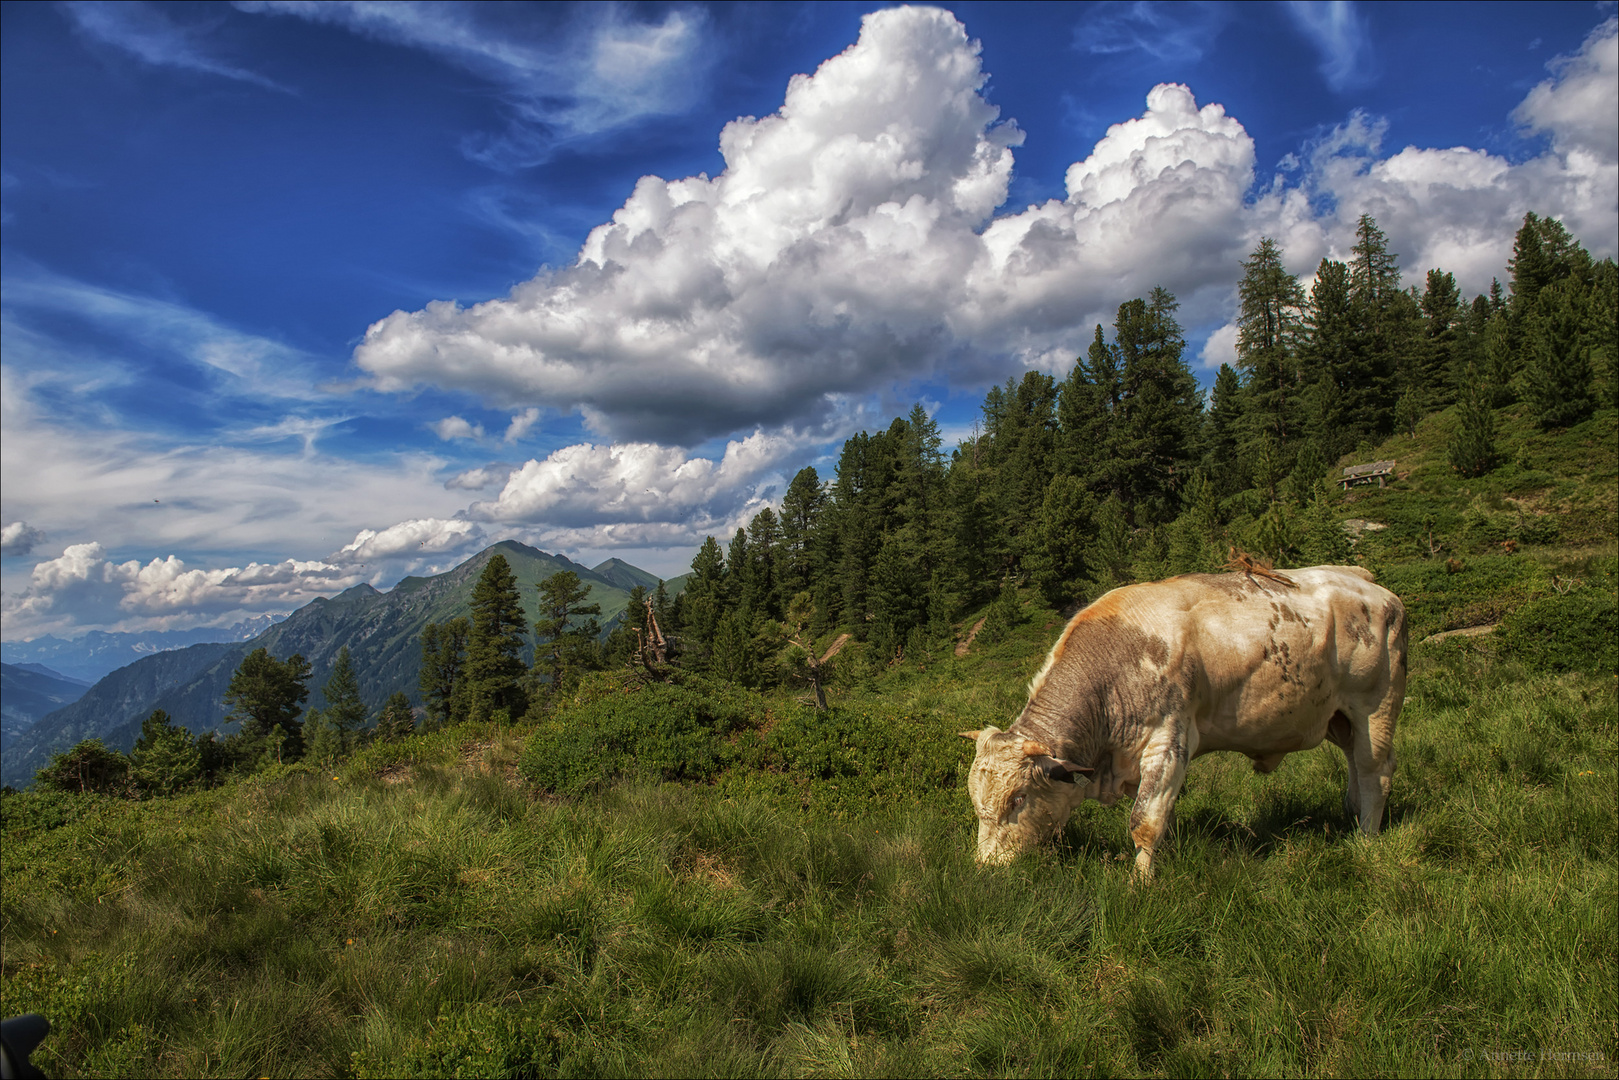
(1151, 676)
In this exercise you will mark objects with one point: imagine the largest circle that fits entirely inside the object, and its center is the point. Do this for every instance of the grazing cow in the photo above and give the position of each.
(1150, 676)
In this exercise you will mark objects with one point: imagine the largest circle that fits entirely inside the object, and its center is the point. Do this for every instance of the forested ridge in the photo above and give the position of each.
(1125, 471)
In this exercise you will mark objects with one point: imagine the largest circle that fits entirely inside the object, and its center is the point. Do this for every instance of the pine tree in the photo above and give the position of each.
(1223, 430)
(1472, 449)
(345, 710)
(802, 549)
(444, 647)
(1442, 335)
(398, 718)
(1342, 404)
(761, 586)
(165, 758)
(1160, 408)
(1267, 323)
(703, 603)
(266, 697)
(493, 673)
(1057, 566)
(566, 631)
(1557, 379)
(1085, 406)
(1385, 316)
(1108, 555)
(325, 740)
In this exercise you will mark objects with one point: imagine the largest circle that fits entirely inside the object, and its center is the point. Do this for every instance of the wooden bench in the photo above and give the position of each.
(1365, 474)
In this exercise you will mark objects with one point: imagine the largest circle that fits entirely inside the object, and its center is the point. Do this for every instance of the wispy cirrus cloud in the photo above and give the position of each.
(581, 71)
(150, 35)
(1180, 32)
(1339, 35)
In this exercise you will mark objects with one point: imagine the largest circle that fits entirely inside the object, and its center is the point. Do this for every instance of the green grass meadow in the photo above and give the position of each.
(696, 880)
(429, 915)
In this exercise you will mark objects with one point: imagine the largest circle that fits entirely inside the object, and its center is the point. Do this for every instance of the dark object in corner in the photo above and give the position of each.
(19, 1037)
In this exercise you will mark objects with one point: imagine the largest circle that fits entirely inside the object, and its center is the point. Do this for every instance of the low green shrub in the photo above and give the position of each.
(658, 732)
(1577, 631)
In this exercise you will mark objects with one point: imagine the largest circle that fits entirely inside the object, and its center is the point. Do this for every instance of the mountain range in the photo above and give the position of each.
(381, 629)
(100, 653)
(29, 692)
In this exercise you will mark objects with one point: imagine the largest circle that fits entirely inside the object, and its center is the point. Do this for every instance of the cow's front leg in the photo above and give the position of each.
(1163, 769)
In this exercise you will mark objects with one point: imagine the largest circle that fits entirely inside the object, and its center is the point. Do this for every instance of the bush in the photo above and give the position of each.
(658, 732)
(1577, 631)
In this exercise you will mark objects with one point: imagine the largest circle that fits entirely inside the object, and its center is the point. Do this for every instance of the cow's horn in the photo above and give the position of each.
(1034, 749)
(973, 735)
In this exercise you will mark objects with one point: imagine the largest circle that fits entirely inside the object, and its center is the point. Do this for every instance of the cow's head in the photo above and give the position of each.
(1021, 793)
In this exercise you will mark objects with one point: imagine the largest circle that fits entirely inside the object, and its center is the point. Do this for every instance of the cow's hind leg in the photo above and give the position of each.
(1341, 733)
(1371, 768)
(1163, 769)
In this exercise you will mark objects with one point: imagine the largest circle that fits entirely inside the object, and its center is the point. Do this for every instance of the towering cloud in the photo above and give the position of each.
(850, 244)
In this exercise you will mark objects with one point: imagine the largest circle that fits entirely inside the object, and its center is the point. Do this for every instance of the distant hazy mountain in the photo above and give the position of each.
(382, 631)
(29, 692)
(98, 652)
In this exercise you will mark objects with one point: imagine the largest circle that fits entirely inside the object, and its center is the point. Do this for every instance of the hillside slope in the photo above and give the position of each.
(381, 630)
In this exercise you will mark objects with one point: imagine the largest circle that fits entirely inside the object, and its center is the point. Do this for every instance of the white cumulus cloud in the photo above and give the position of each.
(19, 538)
(410, 539)
(454, 427)
(93, 588)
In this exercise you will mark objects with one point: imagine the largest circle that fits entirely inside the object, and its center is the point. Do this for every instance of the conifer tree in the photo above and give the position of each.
(345, 710)
(566, 631)
(1442, 335)
(1557, 379)
(1472, 449)
(1108, 556)
(1085, 405)
(1160, 408)
(444, 647)
(1267, 322)
(1223, 433)
(703, 603)
(1057, 565)
(493, 672)
(325, 740)
(802, 550)
(761, 586)
(1385, 316)
(398, 718)
(1342, 405)
(165, 758)
(266, 697)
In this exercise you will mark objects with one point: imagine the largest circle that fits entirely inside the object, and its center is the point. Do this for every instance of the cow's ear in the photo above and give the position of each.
(1060, 769)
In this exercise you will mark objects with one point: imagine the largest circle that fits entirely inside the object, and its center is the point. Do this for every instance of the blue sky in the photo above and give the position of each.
(301, 295)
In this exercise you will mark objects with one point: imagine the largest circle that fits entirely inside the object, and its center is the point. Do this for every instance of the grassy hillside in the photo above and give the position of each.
(698, 880)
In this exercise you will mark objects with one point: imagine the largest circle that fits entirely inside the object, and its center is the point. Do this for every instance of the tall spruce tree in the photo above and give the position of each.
(1443, 334)
(1270, 301)
(1385, 317)
(345, 709)
(1057, 565)
(703, 603)
(1472, 449)
(444, 648)
(1160, 408)
(1557, 379)
(1085, 406)
(493, 672)
(566, 631)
